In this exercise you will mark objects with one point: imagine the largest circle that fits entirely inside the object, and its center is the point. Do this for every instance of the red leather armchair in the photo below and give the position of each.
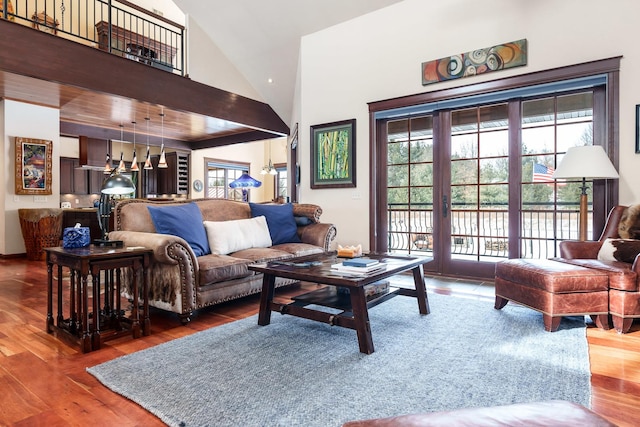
(624, 288)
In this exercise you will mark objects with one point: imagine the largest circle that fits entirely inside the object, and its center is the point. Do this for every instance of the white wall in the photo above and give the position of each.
(379, 56)
(27, 121)
(210, 66)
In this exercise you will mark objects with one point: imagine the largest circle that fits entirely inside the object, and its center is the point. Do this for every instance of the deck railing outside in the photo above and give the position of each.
(483, 234)
(117, 27)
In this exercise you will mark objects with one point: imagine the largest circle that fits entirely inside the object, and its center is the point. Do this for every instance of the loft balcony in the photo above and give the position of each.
(106, 63)
(118, 27)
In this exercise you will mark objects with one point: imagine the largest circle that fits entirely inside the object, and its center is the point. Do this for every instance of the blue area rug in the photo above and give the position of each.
(303, 373)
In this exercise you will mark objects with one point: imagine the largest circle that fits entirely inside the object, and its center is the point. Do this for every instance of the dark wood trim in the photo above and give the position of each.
(610, 65)
(441, 150)
(515, 172)
(378, 181)
(249, 136)
(377, 209)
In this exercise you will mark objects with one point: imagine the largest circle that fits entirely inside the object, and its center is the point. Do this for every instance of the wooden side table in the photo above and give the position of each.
(89, 325)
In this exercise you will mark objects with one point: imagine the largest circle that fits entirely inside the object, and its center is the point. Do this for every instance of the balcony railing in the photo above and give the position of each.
(482, 235)
(125, 30)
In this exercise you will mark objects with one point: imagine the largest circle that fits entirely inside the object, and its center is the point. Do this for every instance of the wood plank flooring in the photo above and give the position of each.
(44, 382)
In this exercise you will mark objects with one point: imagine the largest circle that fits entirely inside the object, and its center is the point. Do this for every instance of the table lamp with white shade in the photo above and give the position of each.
(586, 162)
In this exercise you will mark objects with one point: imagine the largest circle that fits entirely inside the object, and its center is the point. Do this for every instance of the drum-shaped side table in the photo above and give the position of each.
(41, 228)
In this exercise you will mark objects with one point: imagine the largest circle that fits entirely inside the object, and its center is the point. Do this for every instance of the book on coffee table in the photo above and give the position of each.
(341, 268)
(360, 262)
(371, 289)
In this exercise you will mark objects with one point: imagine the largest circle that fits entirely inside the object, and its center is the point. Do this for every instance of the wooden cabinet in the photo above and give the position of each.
(175, 178)
(150, 179)
(95, 181)
(73, 180)
(93, 151)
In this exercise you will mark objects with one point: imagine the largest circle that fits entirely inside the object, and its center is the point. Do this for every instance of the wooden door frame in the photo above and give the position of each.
(377, 133)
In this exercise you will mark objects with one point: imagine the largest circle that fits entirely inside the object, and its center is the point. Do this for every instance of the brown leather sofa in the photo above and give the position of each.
(624, 277)
(554, 413)
(182, 282)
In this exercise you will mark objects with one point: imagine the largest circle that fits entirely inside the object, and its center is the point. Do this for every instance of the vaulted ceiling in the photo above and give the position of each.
(262, 38)
(97, 93)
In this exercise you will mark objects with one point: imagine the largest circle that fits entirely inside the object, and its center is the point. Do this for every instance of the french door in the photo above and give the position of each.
(472, 186)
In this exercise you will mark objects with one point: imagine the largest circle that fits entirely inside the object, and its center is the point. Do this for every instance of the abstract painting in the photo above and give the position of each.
(479, 61)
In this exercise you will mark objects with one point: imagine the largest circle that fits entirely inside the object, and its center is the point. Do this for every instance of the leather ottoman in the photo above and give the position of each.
(553, 288)
(543, 414)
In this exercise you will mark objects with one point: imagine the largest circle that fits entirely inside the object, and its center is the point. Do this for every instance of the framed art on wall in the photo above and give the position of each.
(333, 153)
(638, 128)
(33, 166)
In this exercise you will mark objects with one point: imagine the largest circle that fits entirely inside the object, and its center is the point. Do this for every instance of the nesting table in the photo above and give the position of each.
(93, 312)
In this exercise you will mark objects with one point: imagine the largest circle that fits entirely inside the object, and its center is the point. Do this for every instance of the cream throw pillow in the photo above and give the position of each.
(226, 237)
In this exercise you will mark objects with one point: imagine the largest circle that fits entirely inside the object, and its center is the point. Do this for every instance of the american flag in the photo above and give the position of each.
(542, 173)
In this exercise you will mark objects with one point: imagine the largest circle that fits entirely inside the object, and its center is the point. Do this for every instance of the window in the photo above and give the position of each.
(465, 174)
(282, 181)
(219, 174)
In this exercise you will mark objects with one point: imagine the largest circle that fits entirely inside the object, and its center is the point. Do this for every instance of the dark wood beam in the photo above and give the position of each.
(231, 139)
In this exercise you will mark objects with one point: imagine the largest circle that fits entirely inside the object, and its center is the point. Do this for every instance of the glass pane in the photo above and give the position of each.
(464, 120)
(494, 117)
(537, 196)
(397, 196)
(422, 197)
(421, 127)
(538, 169)
(464, 172)
(494, 143)
(398, 130)
(538, 140)
(422, 151)
(422, 174)
(576, 134)
(575, 107)
(464, 197)
(464, 146)
(494, 170)
(397, 176)
(494, 196)
(398, 152)
(538, 112)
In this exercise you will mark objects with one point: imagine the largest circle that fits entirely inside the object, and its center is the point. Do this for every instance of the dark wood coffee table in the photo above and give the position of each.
(354, 305)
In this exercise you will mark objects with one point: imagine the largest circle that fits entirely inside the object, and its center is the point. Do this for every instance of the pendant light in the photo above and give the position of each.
(121, 165)
(107, 165)
(162, 163)
(269, 169)
(147, 162)
(134, 162)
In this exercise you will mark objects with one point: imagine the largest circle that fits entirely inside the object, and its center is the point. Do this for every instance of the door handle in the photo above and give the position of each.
(445, 206)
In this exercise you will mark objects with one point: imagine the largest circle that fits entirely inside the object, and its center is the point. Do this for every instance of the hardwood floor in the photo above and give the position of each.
(44, 382)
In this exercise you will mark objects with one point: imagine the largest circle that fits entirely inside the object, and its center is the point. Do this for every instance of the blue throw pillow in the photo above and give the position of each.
(302, 220)
(183, 221)
(282, 226)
